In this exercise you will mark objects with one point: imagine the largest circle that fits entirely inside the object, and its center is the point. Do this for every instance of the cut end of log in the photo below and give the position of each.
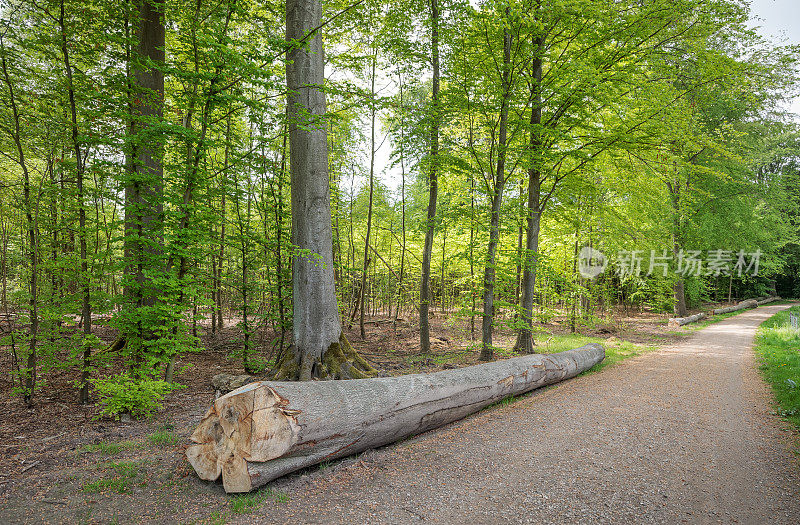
(252, 423)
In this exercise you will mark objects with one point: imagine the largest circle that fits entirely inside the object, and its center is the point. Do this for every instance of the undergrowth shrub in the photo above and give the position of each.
(122, 393)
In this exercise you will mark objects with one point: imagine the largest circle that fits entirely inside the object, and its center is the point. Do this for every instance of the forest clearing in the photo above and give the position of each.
(371, 204)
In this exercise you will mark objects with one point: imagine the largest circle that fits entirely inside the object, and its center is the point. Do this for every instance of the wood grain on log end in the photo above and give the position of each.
(252, 423)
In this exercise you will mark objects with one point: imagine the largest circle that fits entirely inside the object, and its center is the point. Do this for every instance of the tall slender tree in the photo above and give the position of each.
(433, 187)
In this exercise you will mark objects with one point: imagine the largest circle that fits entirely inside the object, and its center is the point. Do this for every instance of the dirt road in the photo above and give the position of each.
(683, 434)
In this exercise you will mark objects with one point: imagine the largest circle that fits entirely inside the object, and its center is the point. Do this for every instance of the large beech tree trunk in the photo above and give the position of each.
(316, 314)
(524, 343)
(264, 430)
(144, 180)
(320, 349)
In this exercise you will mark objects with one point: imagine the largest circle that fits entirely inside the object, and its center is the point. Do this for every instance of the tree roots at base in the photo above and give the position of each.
(340, 361)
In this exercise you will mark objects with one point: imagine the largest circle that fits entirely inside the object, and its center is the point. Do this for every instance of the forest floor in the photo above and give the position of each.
(681, 433)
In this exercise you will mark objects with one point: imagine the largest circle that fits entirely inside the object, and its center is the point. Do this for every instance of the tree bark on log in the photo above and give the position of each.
(768, 300)
(749, 303)
(680, 321)
(265, 430)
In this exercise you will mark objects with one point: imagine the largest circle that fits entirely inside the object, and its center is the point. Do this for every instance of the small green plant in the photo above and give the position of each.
(125, 469)
(109, 448)
(121, 394)
(215, 518)
(163, 438)
(243, 503)
(118, 485)
(125, 472)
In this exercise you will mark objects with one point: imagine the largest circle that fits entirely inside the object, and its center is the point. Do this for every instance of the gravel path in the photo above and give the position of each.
(682, 435)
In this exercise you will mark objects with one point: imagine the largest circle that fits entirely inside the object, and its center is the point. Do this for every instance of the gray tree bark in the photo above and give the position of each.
(433, 185)
(680, 321)
(320, 349)
(524, 343)
(487, 350)
(264, 430)
(749, 303)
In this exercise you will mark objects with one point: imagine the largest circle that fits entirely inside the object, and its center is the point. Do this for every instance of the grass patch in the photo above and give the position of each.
(616, 349)
(126, 472)
(503, 402)
(216, 518)
(163, 438)
(125, 469)
(244, 503)
(118, 485)
(109, 448)
(778, 350)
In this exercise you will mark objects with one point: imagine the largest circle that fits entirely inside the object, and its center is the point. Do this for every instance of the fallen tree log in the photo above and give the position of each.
(680, 321)
(224, 383)
(749, 303)
(264, 429)
(768, 300)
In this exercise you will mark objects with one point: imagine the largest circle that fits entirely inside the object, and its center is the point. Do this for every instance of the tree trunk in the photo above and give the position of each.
(402, 207)
(749, 303)
(487, 350)
(365, 268)
(473, 305)
(520, 234)
(223, 221)
(320, 349)
(264, 430)
(680, 298)
(524, 343)
(277, 198)
(433, 184)
(143, 244)
(30, 226)
(680, 321)
(84, 280)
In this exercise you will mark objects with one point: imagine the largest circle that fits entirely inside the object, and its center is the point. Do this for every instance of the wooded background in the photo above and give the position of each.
(144, 171)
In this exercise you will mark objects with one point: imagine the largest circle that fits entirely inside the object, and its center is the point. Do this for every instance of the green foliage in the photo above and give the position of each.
(244, 503)
(125, 394)
(778, 350)
(109, 448)
(125, 472)
(164, 437)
